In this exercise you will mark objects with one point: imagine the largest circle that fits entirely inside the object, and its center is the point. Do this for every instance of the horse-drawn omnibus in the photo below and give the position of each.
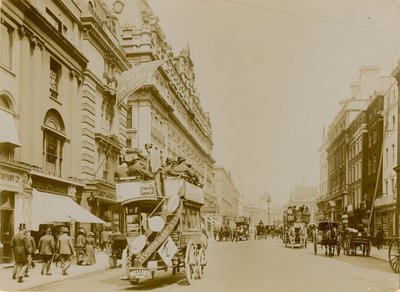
(295, 222)
(163, 232)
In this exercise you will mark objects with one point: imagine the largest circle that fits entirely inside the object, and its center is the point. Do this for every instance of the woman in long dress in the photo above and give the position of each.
(90, 242)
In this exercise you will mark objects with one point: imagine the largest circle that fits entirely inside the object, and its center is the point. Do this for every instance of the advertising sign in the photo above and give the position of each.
(167, 251)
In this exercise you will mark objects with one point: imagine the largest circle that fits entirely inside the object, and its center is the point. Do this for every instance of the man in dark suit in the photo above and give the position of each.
(22, 248)
(32, 242)
(47, 247)
(65, 249)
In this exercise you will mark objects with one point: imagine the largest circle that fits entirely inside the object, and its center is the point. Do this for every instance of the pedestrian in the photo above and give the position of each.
(65, 249)
(32, 242)
(22, 248)
(90, 254)
(379, 238)
(104, 239)
(47, 248)
(80, 246)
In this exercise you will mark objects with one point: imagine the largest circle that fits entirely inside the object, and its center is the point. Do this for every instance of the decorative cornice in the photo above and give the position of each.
(112, 51)
(38, 18)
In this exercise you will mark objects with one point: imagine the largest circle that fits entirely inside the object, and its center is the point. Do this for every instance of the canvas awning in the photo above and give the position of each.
(49, 208)
(8, 130)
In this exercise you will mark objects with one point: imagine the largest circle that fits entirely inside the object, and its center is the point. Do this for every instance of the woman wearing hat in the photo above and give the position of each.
(90, 259)
(80, 246)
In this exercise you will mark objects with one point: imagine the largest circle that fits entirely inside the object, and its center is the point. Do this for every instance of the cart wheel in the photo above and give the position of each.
(190, 262)
(133, 281)
(394, 254)
(315, 248)
(201, 262)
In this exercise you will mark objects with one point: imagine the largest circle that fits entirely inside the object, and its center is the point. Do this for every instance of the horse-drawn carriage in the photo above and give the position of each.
(354, 240)
(327, 235)
(241, 231)
(163, 232)
(224, 233)
(261, 231)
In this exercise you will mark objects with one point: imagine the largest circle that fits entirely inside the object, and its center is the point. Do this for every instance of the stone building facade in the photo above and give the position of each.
(357, 196)
(62, 130)
(165, 110)
(227, 196)
(41, 71)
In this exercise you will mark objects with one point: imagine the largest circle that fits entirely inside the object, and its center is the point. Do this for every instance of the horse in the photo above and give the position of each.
(329, 240)
(292, 236)
(303, 236)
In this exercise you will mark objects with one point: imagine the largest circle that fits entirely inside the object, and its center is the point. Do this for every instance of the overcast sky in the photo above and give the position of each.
(271, 74)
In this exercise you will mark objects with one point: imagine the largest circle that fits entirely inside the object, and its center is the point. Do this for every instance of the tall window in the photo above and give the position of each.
(55, 74)
(369, 165)
(369, 139)
(374, 164)
(55, 22)
(393, 153)
(393, 187)
(386, 187)
(6, 43)
(375, 138)
(387, 156)
(106, 168)
(129, 123)
(393, 122)
(53, 143)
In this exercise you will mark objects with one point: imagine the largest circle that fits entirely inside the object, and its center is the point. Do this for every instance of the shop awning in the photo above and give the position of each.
(8, 130)
(49, 208)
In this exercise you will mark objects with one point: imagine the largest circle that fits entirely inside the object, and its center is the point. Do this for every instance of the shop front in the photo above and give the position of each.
(14, 203)
(101, 199)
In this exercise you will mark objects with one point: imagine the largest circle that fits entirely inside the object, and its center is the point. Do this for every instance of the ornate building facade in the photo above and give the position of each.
(165, 110)
(41, 71)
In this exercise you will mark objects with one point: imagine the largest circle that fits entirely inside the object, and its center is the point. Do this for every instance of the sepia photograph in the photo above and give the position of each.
(200, 145)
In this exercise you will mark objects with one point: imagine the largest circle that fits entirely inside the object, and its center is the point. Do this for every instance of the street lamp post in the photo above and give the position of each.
(268, 201)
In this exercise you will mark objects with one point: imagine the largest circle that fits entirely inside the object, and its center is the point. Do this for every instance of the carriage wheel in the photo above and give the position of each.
(394, 254)
(133, 281)
(315, 248)
(201, 262)
(190, 262)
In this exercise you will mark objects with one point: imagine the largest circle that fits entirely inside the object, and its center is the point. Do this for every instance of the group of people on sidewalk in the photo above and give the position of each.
(59, 249)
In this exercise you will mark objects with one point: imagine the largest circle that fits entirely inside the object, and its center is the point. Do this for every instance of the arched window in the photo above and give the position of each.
(8, 131)
(53, 142)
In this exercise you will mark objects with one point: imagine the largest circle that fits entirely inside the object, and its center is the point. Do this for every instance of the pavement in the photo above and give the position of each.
(35, 278)
(382, 254)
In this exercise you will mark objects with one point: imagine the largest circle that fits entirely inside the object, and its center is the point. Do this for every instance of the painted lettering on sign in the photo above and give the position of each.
(10, 177)
(158, 240)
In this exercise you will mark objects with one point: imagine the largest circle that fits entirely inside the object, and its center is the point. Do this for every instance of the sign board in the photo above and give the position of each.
(194, 193)
(167, 251)
(131, 190)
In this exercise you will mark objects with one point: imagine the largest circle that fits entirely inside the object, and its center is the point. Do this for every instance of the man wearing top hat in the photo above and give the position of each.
(22, 248)
(65, 249)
